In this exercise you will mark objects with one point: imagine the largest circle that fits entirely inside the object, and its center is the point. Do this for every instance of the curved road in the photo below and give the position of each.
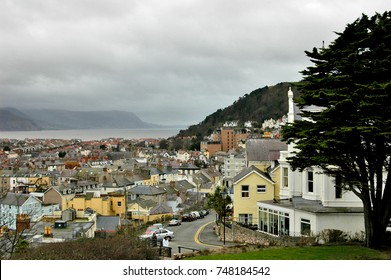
(197, 234)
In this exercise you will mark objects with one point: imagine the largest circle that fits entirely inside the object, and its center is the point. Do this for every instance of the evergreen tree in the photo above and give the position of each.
(218, 201)
(350, 138)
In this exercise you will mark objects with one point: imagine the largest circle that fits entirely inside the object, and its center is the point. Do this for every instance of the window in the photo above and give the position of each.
(119, 203)
(273, 222)
(310, 181)
(245, 191)
(246, 219)
(305, 227)
(285, 177)
(261, 189)
(338, 187)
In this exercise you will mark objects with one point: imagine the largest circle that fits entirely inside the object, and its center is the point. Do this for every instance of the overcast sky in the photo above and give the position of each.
(170, 62)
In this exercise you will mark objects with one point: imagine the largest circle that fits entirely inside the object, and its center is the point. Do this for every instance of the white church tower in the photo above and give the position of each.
(291, 112)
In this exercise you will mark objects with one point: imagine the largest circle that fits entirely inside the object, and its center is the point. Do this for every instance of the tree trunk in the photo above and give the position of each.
(375, 228)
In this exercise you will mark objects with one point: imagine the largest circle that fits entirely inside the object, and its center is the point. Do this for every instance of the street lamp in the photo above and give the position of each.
(224, 195)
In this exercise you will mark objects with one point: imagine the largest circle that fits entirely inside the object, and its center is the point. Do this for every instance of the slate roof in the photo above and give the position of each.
(160, 209)
(144, 203)
(118, 182)
(200, 178)
(107, 223)
(146, 190)
(187, 166)
(264, 149)
(313, 206)
(249, 170)
(123, 181)
(15, 199)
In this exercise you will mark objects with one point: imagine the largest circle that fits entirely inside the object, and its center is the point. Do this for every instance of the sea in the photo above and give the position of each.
(92, 134)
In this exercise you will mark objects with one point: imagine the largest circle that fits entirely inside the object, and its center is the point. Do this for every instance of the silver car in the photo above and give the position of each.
(160, 234)
(175, 222)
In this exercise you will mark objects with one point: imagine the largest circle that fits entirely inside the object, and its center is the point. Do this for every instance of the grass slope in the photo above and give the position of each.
(305, 253)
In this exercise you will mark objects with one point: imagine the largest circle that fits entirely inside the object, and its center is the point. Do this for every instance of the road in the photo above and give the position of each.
(188, 235)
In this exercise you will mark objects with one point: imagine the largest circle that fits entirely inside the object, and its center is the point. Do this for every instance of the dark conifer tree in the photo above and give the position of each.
(351, 137)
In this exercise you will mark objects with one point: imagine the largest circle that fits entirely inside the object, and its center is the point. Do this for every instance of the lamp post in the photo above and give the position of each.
(224, 195)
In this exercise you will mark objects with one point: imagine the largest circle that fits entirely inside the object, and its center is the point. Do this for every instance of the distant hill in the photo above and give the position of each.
(34, 119)
(14, 120)
(257, 106)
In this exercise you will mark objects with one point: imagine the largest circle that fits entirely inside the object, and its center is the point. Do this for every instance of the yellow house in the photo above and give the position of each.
(148, 211)
(54, 196)
(38, 183)
(250, 186)
(106, 205)
(154, 179)
(139, 209)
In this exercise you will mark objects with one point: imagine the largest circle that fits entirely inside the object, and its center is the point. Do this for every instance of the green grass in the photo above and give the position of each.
(305, 253)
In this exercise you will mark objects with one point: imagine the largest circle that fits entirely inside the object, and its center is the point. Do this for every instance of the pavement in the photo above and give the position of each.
(207, 236)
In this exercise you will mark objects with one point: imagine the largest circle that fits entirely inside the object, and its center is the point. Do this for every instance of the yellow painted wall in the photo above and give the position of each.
(154, 181)
(118, 210)
(40, 180)
(248, 205)
(143, 212)
(277, 179)
(106, 206)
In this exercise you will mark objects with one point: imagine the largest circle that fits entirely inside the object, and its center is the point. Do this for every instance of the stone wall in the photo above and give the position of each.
(242, 235)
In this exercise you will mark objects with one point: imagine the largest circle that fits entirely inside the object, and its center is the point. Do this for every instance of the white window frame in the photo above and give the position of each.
(245, 193)
(305, 223)
(246, 219)
(285, 179)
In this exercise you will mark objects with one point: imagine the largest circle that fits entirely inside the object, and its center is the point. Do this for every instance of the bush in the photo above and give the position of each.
(112, 248)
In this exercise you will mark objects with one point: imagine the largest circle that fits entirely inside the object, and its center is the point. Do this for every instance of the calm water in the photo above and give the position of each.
(92, 134)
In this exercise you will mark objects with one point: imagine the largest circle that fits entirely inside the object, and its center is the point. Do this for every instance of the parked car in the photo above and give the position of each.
(151, 229)
(204, 212)
(158, 225)
(187, 218)
(195, 214)
(175, 222)
(160, 234)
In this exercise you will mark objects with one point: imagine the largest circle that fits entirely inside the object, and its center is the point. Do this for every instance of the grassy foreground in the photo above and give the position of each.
(345, 252)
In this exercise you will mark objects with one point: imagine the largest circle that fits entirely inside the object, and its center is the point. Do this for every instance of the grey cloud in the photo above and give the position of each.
(167, 61)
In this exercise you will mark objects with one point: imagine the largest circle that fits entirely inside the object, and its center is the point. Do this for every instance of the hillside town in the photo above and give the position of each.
(74, 188)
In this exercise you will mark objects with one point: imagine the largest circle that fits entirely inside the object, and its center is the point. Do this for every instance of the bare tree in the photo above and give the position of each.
(19, 214)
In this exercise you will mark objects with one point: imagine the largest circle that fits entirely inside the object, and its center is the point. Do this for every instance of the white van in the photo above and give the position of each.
(195, 214)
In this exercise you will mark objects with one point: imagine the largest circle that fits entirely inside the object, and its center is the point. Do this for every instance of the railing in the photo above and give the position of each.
(165, 251)
(188, 248)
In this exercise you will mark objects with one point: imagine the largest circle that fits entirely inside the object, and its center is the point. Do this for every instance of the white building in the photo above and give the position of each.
(15, 203)
(309, 201)
(233, 165)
